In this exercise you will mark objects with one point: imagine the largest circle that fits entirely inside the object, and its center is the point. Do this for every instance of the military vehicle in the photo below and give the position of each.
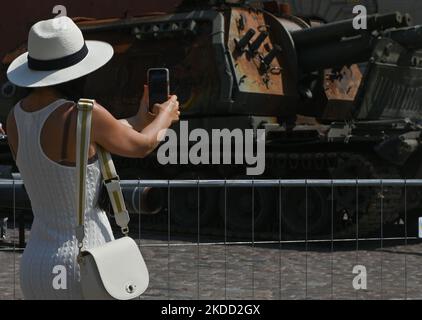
(336, 102)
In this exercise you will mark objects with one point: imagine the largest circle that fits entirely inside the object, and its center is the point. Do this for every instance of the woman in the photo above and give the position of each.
(42, 136)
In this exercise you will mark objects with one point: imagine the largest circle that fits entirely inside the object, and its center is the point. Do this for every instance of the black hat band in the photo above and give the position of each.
(60, 63)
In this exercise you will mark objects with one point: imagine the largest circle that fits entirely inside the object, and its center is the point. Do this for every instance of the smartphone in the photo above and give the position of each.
(158, 86)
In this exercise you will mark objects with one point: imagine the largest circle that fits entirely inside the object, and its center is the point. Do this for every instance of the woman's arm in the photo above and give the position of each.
(133, 123)
(120, 139)
(143, 117)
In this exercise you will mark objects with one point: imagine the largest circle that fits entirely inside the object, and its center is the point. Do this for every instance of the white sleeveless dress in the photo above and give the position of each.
(52, 246)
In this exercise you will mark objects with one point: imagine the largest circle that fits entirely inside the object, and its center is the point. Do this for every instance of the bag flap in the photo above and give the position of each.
(122, 268)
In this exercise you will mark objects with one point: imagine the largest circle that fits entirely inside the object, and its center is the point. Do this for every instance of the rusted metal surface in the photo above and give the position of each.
(250, 75)
(341, 88)
(265, 71)
(342, 84)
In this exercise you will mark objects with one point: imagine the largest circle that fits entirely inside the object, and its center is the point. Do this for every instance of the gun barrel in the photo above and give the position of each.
(337, 30)
(409, 37)
(336, 54)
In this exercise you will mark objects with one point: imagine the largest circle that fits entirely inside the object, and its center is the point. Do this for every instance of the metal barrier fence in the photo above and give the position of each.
(296, 268)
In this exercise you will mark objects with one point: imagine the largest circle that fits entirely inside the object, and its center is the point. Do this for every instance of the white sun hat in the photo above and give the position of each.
(57, 53)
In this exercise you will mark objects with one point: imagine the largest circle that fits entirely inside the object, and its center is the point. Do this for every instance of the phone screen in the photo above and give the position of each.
(158, 86)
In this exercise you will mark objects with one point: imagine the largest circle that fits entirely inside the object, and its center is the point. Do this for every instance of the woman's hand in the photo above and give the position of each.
(169, 109)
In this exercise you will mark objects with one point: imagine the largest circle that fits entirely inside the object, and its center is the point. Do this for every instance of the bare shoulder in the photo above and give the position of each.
(99, 110)
(102, 116)
(98, 107)
(103, 123)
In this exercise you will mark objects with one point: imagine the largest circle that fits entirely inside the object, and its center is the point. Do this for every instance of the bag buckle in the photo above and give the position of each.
(125, 231)
(112, 184)
(121, 215)
(115, 178)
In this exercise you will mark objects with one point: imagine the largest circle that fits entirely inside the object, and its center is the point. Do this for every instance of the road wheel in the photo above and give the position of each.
(236, 204)
(184, 203)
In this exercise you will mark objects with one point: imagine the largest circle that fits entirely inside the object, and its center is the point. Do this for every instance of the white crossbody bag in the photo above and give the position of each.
(115, 270)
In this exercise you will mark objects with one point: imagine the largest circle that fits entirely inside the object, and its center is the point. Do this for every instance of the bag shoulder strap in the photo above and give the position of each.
(108, 171)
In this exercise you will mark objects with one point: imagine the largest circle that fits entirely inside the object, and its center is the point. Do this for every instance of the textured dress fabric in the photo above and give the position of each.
(51, 187)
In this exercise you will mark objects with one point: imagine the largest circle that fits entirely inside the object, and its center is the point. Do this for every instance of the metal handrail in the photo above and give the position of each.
(275, 183)
(258, 183)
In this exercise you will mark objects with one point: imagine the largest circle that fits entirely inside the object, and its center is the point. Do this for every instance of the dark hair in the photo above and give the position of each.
(72, 90)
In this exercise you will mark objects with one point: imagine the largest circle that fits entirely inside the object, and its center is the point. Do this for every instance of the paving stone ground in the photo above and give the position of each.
(186, 271)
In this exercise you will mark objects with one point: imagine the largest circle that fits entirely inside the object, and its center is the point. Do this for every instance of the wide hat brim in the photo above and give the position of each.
(18, 73)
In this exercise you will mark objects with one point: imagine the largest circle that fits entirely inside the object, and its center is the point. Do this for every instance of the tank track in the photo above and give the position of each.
(387, 199)
(324, 165)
